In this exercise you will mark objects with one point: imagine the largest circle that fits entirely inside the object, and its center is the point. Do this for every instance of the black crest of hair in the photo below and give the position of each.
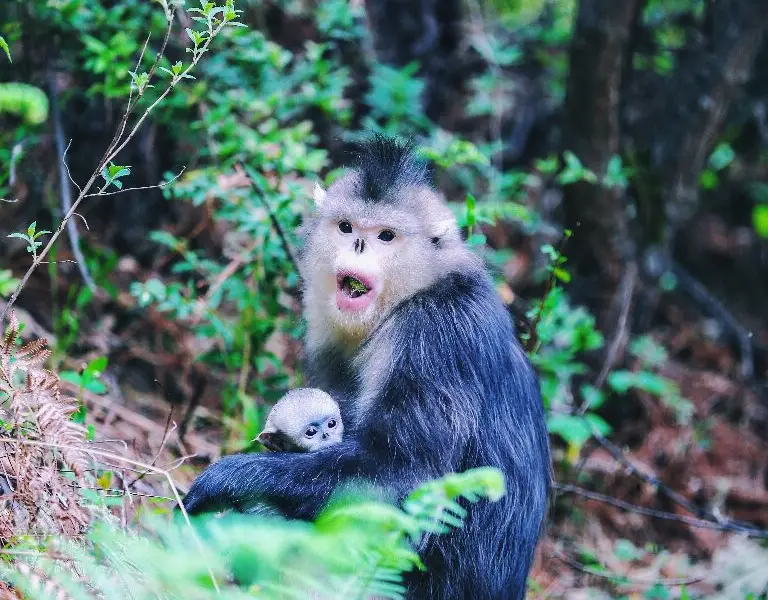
(384, 164)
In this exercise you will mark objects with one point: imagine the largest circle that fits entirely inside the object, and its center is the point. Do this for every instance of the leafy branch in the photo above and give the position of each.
(215, 18)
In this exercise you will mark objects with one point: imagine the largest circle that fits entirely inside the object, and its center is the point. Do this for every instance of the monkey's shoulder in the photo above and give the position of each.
(463, 302)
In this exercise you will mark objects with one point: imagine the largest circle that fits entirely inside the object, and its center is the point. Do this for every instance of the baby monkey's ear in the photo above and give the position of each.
(277, 441)
(318, 195)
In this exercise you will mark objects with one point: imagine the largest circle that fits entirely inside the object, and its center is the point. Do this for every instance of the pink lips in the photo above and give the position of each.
(346, 302)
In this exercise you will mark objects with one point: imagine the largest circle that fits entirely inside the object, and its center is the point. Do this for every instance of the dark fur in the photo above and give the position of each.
(461, 394)
(385, 164)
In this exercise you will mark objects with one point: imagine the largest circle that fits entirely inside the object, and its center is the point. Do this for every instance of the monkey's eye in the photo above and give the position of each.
(387, 235)
(331, 423)
(345, 227)
(310, 432)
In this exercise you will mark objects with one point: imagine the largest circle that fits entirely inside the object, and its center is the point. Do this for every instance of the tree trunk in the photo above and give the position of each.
(601, 250)
(426, 31)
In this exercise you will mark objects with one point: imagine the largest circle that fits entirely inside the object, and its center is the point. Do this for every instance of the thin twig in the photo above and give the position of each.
(567, 488)
(717, 309)
(66, 166)
(273, 218)
(677, 498)
(533, 340)
(625, 292)
(623, 578)
(160, 185)
(166, 432)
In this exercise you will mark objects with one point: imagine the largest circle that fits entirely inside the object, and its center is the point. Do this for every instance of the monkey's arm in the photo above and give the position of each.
(300, 484)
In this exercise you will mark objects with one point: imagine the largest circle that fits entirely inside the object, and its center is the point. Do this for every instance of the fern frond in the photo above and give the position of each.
(9, 340)
(38, 412)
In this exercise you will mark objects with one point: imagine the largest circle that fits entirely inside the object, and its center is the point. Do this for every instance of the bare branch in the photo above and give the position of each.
(567, 488)
(66, 166)
(631, 580)
(275, 222)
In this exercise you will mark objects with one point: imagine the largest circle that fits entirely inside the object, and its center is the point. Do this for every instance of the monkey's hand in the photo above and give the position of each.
(298, 484)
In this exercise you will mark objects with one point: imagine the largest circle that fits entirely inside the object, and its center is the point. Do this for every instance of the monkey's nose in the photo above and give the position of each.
(359, 245)
(325, 436)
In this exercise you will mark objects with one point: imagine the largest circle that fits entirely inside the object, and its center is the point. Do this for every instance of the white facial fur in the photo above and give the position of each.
(395, 269)
(309, 417)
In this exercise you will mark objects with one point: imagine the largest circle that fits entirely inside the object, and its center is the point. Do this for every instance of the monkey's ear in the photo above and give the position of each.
(442, 229)
(318, 195)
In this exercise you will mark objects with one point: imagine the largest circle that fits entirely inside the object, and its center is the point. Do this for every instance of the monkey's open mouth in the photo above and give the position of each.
(354, 288)
(353, 291)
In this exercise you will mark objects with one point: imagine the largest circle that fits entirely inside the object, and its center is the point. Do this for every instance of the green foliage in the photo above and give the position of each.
(759, 194)
(8, 283)
(112, 174)
(27, 101)
(4, 47)
(574, 171)
(30, 237)
(395, 99)
(355, 549)
(721, 157)
(89, 377)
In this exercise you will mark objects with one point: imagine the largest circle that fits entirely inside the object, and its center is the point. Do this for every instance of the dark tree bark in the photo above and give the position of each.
(698, 99)
(672, 123)
(602, 248)
(426, 31)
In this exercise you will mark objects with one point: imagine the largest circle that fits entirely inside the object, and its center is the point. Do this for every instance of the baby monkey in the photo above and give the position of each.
(304, 420)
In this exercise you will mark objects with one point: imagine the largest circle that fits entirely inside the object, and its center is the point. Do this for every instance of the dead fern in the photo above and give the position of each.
(38, 496)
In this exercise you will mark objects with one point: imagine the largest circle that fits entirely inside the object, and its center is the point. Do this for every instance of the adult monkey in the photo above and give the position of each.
(406, 331)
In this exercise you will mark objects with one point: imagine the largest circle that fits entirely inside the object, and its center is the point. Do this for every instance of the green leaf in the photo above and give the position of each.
(708, 180)
(760, 220)
(95, 386)
(72, 377)
(548, 166)
(561, 274)
(626, 551)
(22, 236)
(5, 48)
(598, 423)
(721, 157)
(97, 365)
(593, 397)
(471, 203)
(573, 429)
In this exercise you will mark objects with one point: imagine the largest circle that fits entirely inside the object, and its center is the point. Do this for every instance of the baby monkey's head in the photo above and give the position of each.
(304, 420)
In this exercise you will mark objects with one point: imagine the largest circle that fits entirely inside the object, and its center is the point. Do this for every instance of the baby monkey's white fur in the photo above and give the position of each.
(304, 420)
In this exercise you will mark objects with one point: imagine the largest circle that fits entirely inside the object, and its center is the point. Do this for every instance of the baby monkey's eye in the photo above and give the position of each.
(345, 227)
(387, 235)
(332, 423)
(311, 431)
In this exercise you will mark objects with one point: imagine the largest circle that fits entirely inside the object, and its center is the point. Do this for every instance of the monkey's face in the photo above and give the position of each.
(363, 258)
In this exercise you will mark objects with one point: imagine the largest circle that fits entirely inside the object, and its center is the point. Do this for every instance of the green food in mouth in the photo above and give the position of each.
(356, 287)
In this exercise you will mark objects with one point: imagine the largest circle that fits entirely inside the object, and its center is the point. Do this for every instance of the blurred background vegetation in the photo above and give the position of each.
(609, 160)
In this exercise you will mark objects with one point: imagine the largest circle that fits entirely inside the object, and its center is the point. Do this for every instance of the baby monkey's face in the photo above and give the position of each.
(319, 433)
(304, 420)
